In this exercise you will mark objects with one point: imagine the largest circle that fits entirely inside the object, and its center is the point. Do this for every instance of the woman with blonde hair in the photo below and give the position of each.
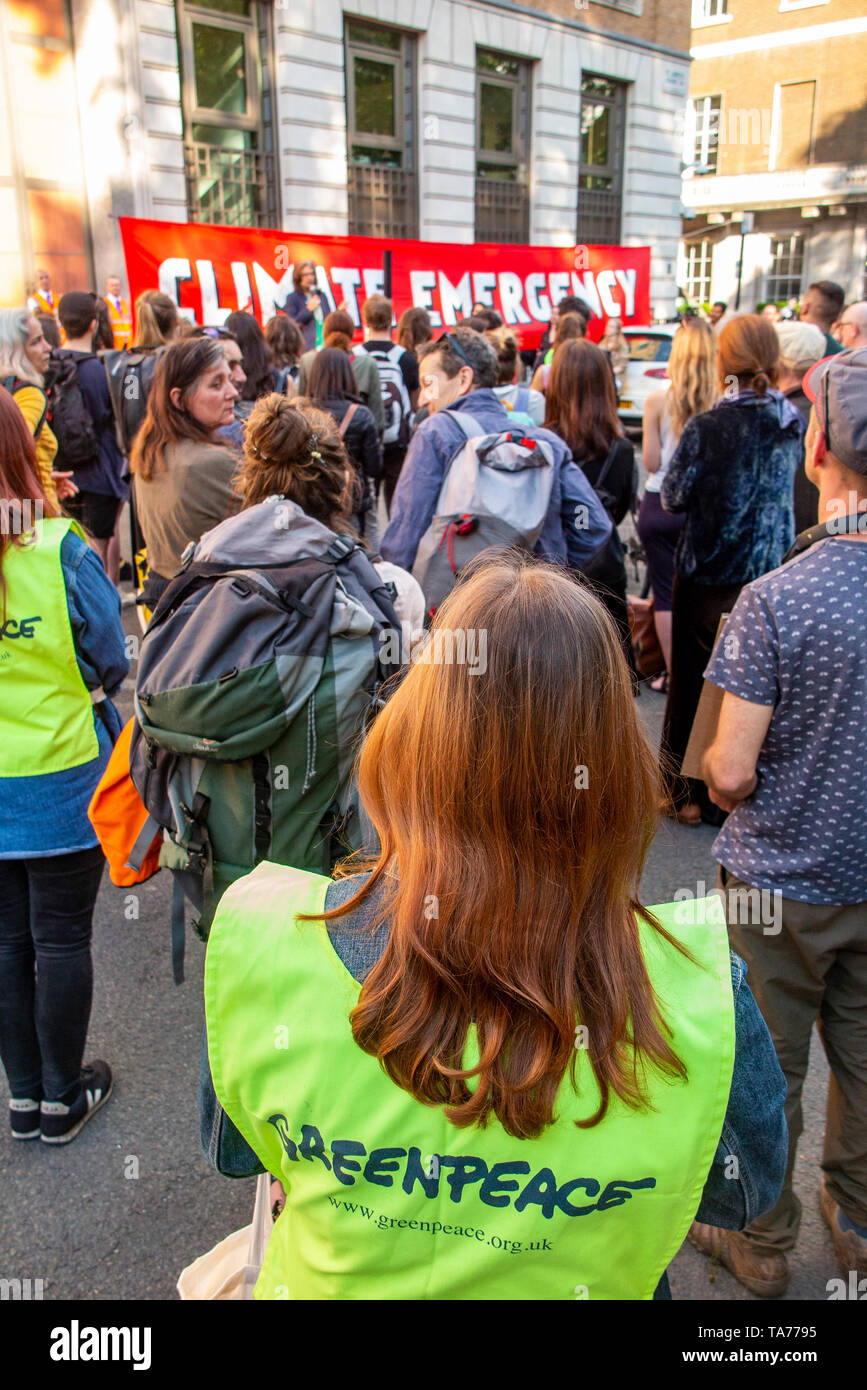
(692, 390)
(530, 1060)
(732, 478)
(25, 355)
(156, 320)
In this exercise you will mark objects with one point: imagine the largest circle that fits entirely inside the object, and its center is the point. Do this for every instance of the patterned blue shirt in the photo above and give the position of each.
(796, 640)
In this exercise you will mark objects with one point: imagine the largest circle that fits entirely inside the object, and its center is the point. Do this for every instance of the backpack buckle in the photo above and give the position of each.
(340, 548)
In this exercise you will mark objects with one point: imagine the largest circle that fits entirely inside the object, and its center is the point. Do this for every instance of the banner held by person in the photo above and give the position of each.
(209, 271)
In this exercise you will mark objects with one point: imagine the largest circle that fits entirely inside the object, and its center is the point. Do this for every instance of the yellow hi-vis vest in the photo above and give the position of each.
(385, 1198)
(46, 713)
(121, 322)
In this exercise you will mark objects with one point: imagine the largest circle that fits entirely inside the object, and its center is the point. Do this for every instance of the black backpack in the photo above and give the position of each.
(130, 377)
(68, 416)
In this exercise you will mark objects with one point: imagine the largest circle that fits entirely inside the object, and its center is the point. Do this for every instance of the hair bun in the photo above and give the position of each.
(761, 382)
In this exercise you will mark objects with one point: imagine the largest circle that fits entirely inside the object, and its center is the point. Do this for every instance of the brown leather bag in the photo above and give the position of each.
(649, 660)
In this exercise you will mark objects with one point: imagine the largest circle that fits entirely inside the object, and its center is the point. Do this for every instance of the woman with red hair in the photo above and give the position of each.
(484, 1043)
(62, 651)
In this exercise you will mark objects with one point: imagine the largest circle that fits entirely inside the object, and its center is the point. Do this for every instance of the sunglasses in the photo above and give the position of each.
(448, 338)
(209, 332)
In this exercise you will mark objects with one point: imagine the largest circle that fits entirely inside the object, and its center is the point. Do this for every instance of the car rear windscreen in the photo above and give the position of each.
(649, 347)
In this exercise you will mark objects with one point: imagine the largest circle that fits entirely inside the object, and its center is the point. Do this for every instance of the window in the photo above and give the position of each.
(709, 12)
(228, 148)
(786, 268)
(706, 116)
(648, 347)
(794, 103)
(380, 100)
(502, 146)
(600, 173)
(699, 266)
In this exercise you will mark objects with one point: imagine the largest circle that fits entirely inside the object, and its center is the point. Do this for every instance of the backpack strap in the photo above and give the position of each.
(606, 467)
(394, 354)
(347, 419)
(853, 524)
(469, 424)
(13, 385)
(522, 398)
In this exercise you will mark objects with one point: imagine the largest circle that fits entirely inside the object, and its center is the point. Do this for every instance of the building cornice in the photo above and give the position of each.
(561, 22)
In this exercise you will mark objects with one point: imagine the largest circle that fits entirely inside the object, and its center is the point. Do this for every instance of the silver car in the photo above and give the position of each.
(649, 350)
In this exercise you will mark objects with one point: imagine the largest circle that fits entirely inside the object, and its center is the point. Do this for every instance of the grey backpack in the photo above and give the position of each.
(496, 492)
(262, 664)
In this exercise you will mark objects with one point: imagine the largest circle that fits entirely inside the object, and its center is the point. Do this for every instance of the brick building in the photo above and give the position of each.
(776, 135)
(556, 123)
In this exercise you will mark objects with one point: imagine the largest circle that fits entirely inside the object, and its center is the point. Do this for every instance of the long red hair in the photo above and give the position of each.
(514, 807)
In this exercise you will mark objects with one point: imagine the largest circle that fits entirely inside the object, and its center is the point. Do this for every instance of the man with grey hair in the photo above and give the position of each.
(801, 346)
(458, 372)
(852, 325)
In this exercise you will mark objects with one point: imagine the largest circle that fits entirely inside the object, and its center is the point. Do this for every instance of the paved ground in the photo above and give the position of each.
(119, 1212)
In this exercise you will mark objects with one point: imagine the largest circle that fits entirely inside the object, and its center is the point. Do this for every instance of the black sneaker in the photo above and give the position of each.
(24, 1119)
(60, 1123)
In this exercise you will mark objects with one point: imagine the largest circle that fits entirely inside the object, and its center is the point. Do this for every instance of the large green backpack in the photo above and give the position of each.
(261, 667)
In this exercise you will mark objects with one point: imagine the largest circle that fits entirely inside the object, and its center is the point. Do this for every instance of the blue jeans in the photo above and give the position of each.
(46, 971)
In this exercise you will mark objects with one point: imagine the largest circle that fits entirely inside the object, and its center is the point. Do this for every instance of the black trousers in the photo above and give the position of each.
(46, 971)
(695, 613)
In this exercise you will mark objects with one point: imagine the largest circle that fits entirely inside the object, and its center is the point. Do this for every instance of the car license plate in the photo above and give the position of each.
(626, 405)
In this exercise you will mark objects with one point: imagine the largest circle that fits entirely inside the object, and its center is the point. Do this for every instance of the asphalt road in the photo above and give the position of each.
(121, 1210)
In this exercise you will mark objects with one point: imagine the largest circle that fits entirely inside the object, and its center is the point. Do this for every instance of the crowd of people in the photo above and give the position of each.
(386, 741)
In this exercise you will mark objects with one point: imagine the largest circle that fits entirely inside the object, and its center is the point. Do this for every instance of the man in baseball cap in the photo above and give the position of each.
(837, 386)
(787, 762)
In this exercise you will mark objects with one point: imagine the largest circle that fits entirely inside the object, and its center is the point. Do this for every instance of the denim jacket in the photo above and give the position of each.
(46, 814)
(750, 1160)
(569, 533)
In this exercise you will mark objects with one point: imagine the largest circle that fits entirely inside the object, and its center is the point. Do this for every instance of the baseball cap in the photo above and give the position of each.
(838, 388)
(801, 344)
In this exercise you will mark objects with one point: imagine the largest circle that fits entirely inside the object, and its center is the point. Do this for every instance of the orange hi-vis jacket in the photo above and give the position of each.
(42, 303)
(121, 321)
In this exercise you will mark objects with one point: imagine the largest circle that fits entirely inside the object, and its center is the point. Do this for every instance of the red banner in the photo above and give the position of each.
(209, 271)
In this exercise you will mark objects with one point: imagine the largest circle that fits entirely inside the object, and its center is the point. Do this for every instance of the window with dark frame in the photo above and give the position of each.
(380, 125)
(703, 10)
(502, 148)
(227, 96)
(786, 271)
(600, 171)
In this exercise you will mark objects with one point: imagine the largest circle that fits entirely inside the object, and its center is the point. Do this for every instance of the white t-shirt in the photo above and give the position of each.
(668, 445)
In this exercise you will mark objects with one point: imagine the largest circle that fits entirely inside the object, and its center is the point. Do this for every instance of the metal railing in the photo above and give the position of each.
(502, 211)
(383, 201)
(599, 212)
(234, 188)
